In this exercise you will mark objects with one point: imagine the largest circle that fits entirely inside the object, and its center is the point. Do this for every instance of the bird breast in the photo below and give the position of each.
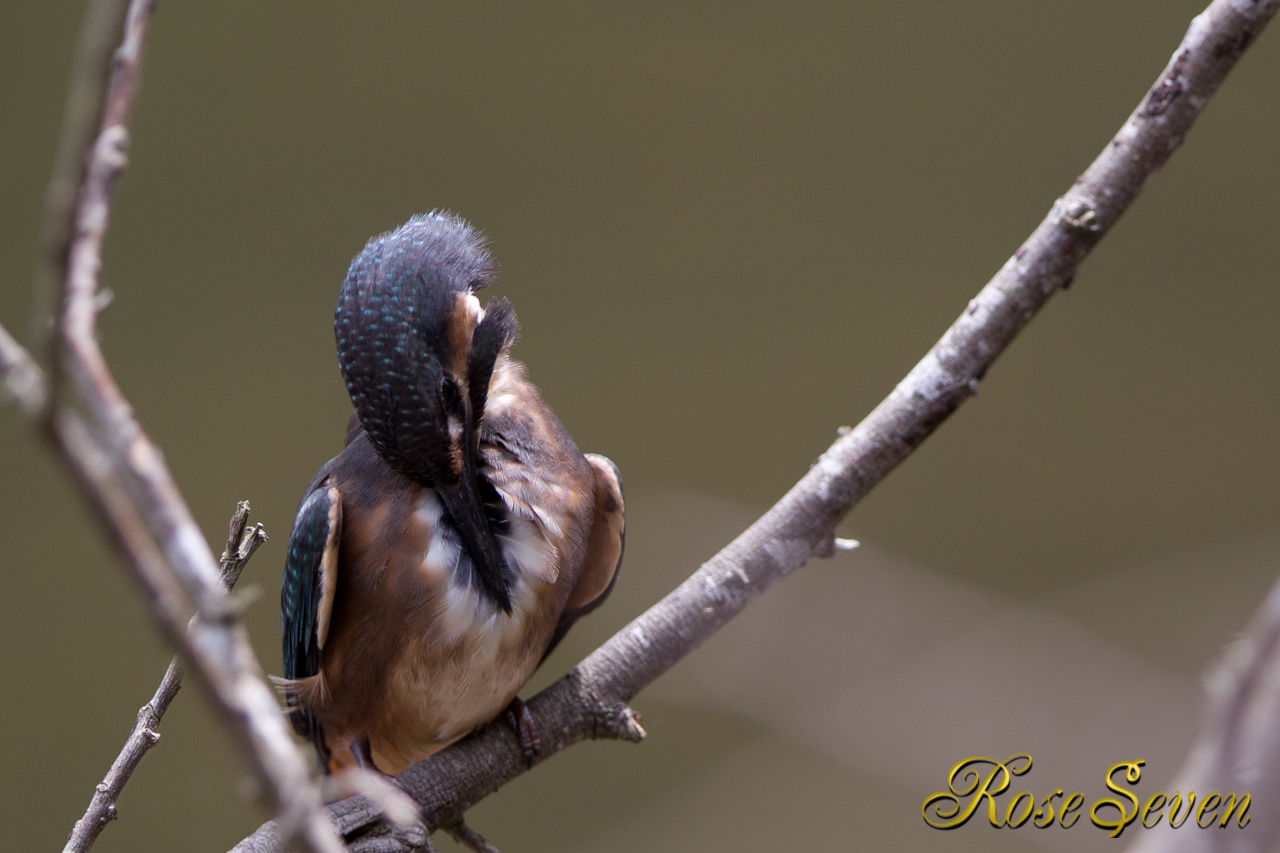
(463, 612)
(461, 657)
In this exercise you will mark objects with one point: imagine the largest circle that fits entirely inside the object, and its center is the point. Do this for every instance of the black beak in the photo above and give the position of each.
(466, 507)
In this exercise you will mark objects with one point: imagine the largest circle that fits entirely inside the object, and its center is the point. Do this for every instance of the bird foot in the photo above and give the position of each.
(362, 752)
(468, 837)
(526, 730)
(385, 792)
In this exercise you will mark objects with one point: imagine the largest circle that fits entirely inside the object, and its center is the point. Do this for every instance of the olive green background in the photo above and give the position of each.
(727, 229)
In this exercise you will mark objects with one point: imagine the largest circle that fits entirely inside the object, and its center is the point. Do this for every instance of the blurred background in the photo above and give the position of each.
(728, 229)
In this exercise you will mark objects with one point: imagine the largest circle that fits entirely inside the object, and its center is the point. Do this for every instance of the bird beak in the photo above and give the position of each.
(466, 508)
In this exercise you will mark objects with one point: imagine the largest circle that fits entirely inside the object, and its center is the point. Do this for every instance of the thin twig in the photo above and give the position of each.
(241, 543)
(589, 701)
(217, 646)
(123, 477)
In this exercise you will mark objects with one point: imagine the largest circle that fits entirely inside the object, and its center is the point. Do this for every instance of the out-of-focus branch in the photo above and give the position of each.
(241, 543)
(216, 647)
(82, 413)
(75, 345)
(1237, 749)
(20, 377)
(590, 701)
(81, 121)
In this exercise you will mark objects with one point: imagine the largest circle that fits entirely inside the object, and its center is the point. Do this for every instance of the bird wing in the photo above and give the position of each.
(310, 579)
(604, 551)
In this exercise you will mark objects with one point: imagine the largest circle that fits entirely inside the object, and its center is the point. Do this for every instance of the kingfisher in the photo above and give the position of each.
(442, 554)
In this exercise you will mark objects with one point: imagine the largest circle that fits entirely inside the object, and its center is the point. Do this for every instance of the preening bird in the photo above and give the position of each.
(439, 557)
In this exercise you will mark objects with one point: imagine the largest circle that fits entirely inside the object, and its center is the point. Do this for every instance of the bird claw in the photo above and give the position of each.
(362, 752)
(526, 730)
(385, 838)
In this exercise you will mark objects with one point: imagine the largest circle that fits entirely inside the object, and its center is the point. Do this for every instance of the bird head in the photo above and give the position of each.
(417, 352)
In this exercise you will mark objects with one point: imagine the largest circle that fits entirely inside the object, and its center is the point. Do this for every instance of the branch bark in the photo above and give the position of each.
(241, 543)
(589, 702)
(80, 411)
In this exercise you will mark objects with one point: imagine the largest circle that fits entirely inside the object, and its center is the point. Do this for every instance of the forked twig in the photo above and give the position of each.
(241, 543)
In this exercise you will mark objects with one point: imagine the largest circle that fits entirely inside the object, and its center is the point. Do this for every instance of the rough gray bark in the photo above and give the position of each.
(589, 702)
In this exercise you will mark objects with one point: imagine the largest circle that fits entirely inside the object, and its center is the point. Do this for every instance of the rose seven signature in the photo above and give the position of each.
(967, 787)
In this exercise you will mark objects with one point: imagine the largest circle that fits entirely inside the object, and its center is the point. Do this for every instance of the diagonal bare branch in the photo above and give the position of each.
(589, 701)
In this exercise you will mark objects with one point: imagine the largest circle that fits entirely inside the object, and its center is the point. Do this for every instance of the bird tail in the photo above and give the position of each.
(300, 695)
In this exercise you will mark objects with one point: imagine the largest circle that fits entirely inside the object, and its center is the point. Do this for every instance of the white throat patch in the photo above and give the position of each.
(464, 611)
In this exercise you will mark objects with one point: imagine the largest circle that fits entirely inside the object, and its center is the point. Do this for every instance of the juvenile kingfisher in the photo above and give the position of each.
(439, 557)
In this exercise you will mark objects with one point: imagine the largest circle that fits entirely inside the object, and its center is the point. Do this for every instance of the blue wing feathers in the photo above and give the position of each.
(302, 588)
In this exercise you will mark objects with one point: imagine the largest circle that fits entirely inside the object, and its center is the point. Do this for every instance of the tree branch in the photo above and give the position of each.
(22, 379)
(241, 543)
(588, 702)
(1238, 746)
(82, 413)
(81, 120)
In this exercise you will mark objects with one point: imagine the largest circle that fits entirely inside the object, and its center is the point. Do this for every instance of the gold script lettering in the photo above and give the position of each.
(964, 781)
(1073, 804)
(1044, 814)
(1175, 804)
(1009, 818)
(1156, 804)
(1132, 773)
(1229, 804)
(1209, 802)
